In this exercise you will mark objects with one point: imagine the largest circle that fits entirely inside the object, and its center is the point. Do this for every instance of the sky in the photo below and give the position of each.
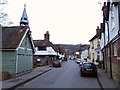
(68, 21)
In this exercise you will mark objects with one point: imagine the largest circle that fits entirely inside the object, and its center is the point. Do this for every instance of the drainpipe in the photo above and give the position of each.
(104, 56)
(104, 9)
(109, 45)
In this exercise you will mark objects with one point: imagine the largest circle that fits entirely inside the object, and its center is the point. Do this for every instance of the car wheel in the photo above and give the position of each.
(81, 74)
(95, 75)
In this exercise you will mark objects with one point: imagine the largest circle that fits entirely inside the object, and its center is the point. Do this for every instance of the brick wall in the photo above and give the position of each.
(118, 48)
(114, 59)
(6, 75)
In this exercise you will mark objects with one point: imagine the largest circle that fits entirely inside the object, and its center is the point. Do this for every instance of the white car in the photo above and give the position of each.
(78, 61)
(82, 62)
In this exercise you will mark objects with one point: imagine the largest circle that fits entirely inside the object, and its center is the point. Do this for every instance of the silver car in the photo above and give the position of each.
(82, 62)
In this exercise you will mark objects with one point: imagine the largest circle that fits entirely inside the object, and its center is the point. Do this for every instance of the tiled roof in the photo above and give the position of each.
(11, 36)
(59, 48)
(43, 43)
(96, 36)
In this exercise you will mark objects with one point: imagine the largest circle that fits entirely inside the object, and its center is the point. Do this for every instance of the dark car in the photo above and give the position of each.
(56, 63)
(88, 69)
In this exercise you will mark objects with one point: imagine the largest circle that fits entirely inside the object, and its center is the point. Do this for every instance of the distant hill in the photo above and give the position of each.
(74, 48)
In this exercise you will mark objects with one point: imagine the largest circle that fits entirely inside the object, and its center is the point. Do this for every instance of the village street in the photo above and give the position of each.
(67, 76)
(60, 30)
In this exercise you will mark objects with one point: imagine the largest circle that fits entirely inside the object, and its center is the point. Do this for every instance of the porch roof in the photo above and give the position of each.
(41, 53)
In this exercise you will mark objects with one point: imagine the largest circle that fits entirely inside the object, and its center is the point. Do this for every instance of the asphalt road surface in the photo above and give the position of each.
(67, 76)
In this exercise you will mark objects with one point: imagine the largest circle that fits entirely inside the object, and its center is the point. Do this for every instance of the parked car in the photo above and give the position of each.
(56, 63)
(72, 58)
(82, 62)
(78, 61)
(88, 69)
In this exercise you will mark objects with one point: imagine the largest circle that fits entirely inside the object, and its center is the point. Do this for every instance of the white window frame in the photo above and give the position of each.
(114, 50)
(112, 17)
(108, 51)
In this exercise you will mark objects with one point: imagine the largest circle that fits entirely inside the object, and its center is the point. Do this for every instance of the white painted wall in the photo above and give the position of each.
(49, 51)
(84, 54)
(113, 21)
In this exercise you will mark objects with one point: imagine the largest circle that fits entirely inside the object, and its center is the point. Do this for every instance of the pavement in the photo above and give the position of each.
(12, 83)
(107, 82)
(103, 78)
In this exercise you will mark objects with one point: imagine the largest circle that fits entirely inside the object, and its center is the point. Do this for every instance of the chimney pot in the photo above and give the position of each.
(104, 3)
(97, 27)
(97, 30)
(46, 36)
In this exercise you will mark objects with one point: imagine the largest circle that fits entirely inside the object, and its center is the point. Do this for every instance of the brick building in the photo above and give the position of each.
(110, 39)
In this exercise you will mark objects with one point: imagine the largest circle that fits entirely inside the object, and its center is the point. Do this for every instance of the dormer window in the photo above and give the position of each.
(42, 48)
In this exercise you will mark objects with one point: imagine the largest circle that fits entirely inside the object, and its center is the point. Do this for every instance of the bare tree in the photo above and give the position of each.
(4, 20)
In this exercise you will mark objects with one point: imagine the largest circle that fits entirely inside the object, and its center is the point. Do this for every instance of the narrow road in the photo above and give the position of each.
(68, 76)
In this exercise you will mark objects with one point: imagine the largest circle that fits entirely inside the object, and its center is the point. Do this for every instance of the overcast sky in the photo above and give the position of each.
(68, 21)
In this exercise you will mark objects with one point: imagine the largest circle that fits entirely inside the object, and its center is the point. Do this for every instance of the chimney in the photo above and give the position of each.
(101, 27)
(105, 10)
(46, 36)
(104, 3)
(97, 30)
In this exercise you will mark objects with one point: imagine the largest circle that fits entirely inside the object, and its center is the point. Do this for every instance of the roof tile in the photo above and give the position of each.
(11, 36)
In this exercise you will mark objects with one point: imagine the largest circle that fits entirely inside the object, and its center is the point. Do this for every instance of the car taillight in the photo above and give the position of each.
(82, 69)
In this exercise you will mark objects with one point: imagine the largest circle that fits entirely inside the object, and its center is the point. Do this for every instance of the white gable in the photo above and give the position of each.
(49, 51)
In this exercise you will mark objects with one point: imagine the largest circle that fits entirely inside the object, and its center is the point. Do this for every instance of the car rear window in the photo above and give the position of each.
(89, 65)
